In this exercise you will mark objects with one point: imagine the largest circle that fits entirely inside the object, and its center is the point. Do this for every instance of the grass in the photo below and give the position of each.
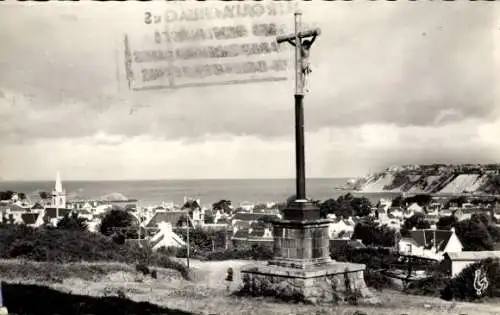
(67, 246)
(207, 294)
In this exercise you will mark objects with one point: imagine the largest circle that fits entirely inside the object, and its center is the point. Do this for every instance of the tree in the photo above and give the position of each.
(422, 200)
(447, 222)
(22, 196)
(398, 201)
(346, 206)
(260, 206)
(415, 221)
(209, 218)
(328, 206)
(459, 201)
(72, 222)
(116, 219)
(372, 234)
(474, 235)
(43, 195)
(361, 206)
(222, 205)
(6, 195)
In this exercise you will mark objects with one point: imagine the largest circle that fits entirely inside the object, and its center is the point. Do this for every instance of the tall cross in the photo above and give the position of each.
(302, 40)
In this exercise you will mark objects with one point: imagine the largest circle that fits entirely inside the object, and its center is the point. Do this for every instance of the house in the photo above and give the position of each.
(247, 206)
(445, 212)
(384, 204)
(53, 215)
(429, 243)
(37, 207)
(435, 206)
(393, 223)
(253, 236)
(196, 212)
(339, 244)
(15, 212)
(33, 219)
(166, 237)
(175, 218)
(252, 217)
(339, 226)
(84, 213)
(395, 213)
(414, 207)
(457, 261)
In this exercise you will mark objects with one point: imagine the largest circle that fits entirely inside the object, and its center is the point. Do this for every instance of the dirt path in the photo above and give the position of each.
(212, 275)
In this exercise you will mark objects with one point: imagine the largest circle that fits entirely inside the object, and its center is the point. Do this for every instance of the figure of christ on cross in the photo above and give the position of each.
(302, 40)
(305, 48)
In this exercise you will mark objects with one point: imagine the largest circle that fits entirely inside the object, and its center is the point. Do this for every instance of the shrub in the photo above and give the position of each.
(257, 252)
(377, 280)
(373, 258)
(142, 268)
(432, 286)
(63, 246)
(169, 251)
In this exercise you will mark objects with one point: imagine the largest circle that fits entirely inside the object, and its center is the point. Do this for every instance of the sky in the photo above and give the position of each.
(392, 83)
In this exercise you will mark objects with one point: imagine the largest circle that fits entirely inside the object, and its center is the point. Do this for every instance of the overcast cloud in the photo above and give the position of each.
(392, 83)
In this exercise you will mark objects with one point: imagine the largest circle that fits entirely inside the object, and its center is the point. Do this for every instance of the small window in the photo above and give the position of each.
(408, 248)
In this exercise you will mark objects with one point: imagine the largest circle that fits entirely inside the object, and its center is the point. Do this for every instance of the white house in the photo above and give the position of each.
(458, 261)
(335, 228)
(385, 204)
(166, 237)
(247, 206)
(395, 213)
(429, 243)
(414, 207)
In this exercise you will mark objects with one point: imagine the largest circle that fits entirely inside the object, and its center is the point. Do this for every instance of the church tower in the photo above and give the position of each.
(58, 194)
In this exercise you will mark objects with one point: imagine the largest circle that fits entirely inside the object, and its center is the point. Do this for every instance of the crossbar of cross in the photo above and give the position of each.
(296, 40)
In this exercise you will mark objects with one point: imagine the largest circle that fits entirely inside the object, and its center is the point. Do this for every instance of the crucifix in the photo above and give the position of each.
(302, 40)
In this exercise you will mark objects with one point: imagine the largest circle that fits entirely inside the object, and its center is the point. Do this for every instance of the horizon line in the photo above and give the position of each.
(168, 179)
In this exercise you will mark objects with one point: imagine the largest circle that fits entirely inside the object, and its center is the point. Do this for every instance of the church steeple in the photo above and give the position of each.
(58, 194)
(58, 187)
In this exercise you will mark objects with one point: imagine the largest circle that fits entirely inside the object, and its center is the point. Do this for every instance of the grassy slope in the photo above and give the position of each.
(207, 292)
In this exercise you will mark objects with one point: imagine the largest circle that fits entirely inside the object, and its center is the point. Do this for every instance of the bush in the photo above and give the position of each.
(463, 286)
(142, 268)
(258, 252)
(377, 280)
(432, 286)
(373, 258)
(64, 246)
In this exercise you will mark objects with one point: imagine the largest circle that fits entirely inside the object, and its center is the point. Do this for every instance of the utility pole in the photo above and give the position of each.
(187, 256)
(139, 211)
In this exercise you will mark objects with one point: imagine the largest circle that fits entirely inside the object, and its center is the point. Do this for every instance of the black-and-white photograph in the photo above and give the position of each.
(250, 157)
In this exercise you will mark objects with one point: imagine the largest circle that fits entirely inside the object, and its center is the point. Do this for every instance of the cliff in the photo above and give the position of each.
(432, 179)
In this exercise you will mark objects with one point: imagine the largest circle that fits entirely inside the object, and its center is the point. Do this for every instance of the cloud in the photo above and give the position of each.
(330, 152)
(407, 65)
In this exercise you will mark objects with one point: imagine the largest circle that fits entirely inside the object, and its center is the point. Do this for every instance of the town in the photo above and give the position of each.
(420, 226)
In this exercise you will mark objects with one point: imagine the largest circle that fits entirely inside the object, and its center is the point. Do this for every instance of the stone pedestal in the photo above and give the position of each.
(302, 268)
(301, 244)
(333, 283)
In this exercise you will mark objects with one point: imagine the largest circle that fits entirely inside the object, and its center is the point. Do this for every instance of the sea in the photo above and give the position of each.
(209, 191)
